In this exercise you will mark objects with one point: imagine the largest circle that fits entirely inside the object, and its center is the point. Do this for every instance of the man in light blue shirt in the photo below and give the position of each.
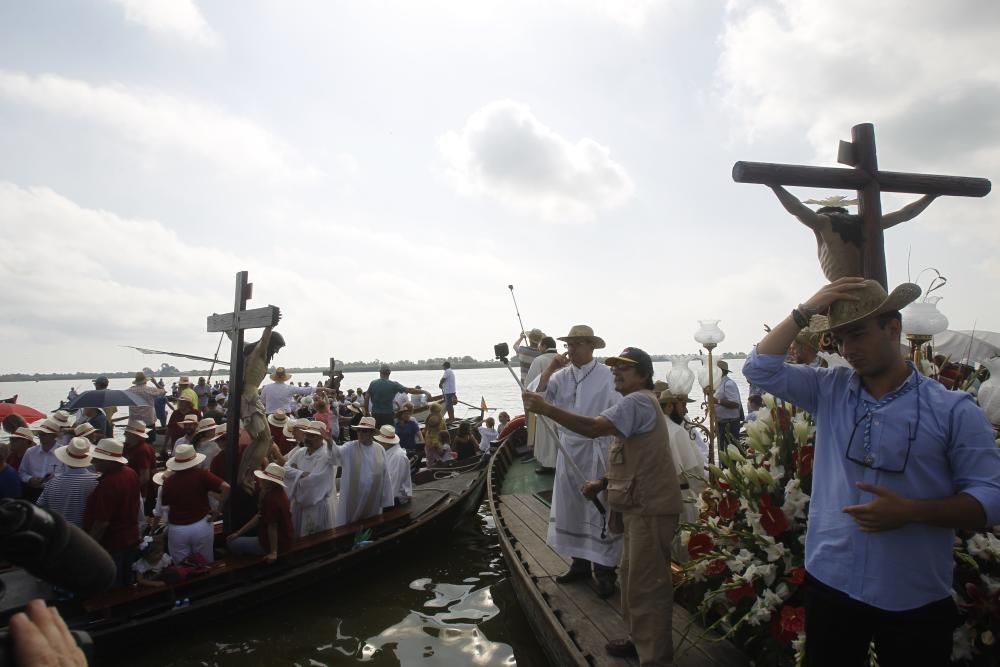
(900, 463)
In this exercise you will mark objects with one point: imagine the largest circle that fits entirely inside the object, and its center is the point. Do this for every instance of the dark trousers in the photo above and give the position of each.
(729, 432)
(123, 564)
(383, 418)
(840, 629)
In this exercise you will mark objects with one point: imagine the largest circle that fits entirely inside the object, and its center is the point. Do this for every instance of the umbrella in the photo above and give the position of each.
(30, 414)
(102, 398)
(967, 346)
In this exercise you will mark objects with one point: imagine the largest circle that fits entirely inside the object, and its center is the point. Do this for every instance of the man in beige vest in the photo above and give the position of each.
(644, 498)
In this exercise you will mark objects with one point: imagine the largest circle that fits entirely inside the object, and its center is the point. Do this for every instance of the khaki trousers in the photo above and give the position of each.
(647, 586)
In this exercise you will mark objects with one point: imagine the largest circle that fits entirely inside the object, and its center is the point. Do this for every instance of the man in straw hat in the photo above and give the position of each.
(39, 463)
(67, 494)
(142, 459)
(279, 395)
(273, 520)
(21, 439)
(526, 354)
(728, 405)
(149, 389)
(113, 507)
(685, 446)
(312, 470)
(576, 383)
(397, 465)
(87, 430)
(185, 492)
(186, 389)
(365, 486)
(900, 464)
(642, 492)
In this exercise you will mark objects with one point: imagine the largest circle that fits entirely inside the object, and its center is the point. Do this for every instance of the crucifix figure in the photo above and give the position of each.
(852, 245)
(248, 367)
(335, 376)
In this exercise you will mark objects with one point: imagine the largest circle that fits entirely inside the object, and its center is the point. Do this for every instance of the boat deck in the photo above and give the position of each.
(590, 621)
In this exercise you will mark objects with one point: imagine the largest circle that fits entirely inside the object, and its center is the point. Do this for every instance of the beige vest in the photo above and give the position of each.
(641, 475)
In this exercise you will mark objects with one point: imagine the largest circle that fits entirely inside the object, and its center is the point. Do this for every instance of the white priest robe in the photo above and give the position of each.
(310, 478)
(365, 486)
(398, 469)
(690, 465)
(542, 431)
(574, 523)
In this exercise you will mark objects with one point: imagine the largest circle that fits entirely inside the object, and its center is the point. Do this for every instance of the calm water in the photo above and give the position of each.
(449, 604)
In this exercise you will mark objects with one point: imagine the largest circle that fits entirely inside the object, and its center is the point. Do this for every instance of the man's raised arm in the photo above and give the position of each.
(908, 212)
(806, 215)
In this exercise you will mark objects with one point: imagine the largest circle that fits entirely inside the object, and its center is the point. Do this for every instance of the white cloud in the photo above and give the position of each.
(157, 121)
(171, 18)
(506, 153)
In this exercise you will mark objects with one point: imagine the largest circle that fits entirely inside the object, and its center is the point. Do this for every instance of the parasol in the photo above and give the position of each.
(30, 414)
(967, 346)
(103, 398)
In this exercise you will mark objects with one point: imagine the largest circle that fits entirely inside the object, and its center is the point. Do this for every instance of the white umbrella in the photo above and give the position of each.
(967, 346)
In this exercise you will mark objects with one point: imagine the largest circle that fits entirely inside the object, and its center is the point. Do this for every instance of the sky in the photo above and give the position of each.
(384, 170)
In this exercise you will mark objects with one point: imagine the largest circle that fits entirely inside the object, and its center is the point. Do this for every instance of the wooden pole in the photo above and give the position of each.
(235, 397)
(870, 204)
(765, 173)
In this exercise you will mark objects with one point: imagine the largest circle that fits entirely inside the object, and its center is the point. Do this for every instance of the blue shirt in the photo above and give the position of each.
(635, 413)
(10, 485)
(939, 439)
(407, 433)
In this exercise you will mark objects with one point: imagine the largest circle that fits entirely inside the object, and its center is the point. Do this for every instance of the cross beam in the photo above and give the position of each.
(869, 183)
(234, 324)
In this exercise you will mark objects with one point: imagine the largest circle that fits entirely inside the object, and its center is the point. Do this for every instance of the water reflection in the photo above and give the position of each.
(448, 605)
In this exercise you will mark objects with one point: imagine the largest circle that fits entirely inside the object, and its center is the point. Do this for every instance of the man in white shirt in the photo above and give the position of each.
(397, 466)
(447, 385)
(542, 432)
(40, 464)
(365, 486)
(67, 494)
(310, 470)
(727, 406)
(280, 396)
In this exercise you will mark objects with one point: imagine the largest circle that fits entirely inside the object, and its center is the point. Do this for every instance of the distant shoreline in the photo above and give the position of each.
(368, 367)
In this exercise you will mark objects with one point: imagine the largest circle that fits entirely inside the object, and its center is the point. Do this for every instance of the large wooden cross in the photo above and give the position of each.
(869, 182)
(234, 324)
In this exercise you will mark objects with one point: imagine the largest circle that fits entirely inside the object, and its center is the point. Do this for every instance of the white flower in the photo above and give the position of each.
(802, 429)
(765, 572)
(698, 570)
(739, 562)
(985, 546)
(685, 537)
(783, 591)
(992, 585)
(753, 520)
(758, 434)
(759, 613)
(775, 552)
(962, 641)
(799, 646)
(796, 501)
(769, 401)
(734, 454)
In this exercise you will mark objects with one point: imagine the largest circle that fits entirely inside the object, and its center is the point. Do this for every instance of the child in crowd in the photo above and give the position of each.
(465, 442)
(503, 418)
(487, 434)
(153, 559)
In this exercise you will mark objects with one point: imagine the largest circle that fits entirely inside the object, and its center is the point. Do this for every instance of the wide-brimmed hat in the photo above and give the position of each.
(25, 433)
(366, 424)
(278, 418)
(183, 380)
(280, 374)
(220, 431)
(159, 477)
(109, 449)
(140, 378)
(84, 429)
(667, 396)
(812, 335)
(184, 457)
(49, 426)
(723, 365)
(76, 454)
(387, 435)
(583, 332)
(317, 426)
(293, 424)
(62, 417)
(872, 301)
(535, 335)
(185, 397)
(206, 424)
(355, 408)
(633, 356)
(190, 418)
(680, 380)
(405, 407)
(136, 427)
(272, 473)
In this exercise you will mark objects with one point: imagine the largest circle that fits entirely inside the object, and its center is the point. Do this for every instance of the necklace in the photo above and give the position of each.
(576, 382)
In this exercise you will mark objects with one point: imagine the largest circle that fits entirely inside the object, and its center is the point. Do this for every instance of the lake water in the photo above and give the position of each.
(449, 604)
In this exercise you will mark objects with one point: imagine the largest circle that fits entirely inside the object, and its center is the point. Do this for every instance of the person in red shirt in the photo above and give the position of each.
(20, 441)
(273, 520)
(141, 459)
(185, 493)
(112, 513)
(175, 425)
(277, 422)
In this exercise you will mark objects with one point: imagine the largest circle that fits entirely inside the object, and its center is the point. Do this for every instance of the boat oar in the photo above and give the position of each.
(555, 436)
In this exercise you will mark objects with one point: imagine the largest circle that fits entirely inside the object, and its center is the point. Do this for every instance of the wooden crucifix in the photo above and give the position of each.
(869, 183)
(335, 375)
(234, 324)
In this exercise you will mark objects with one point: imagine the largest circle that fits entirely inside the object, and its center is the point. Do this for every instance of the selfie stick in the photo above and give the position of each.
(516, 310)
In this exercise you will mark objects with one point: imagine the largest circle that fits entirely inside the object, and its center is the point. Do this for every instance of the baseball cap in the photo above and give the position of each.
(634, 356)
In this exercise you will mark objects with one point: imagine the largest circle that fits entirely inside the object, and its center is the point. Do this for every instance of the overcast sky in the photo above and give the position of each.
(385, 169)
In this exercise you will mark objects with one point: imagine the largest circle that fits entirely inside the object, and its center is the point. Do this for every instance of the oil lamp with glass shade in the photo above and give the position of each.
(922, 321)
(709, 335)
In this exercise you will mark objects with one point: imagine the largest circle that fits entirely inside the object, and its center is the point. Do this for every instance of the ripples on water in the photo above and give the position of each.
(450, 604)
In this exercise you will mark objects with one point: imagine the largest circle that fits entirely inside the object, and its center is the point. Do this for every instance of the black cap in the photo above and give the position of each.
(101, 381)
(633, 355)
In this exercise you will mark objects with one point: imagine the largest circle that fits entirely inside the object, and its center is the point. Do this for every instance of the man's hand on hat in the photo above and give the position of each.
(842, 288)
(887, 511)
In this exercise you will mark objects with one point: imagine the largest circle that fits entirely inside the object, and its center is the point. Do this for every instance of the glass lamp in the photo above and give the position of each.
(922, 321)
(709, 335)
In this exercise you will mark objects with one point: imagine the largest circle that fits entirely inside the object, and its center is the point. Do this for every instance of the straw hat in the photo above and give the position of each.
(355, 408)
(183, 381)
(140, 378)
(319, 426)
(25, 433)
(278, 418)
(536, 335)
(136, 427)
(312, 428)
(49, 426)
(76, 454)
(366, 424)
(220, 431)
(62, 417)
(812, 335)
(84, 429)
(872, 301)
(272, 473)
(723, 365)
(206, 424)
(293, 424)
(280, 374)
(583, 332)
(109, 449)
(190, 419)
(185, 397)
(184, 457)
(405, 407)
(161, 476)
(387, 435)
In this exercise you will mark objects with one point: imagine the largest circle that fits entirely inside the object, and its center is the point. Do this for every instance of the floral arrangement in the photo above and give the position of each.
(747, 551)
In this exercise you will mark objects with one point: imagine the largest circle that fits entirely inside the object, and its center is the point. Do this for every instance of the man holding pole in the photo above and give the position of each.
(575, 382)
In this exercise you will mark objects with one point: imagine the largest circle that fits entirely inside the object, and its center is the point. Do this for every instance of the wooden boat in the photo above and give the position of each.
(571, 623)
(117, 618)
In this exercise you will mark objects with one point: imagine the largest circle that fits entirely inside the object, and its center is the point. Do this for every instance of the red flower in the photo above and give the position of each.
(722, 485)
(804, 460)
(700, 544)
(772, 519)
(793, 619)
(716, 567)
(782, 419)
(734, 595)
(796, 576)
(728, 506)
